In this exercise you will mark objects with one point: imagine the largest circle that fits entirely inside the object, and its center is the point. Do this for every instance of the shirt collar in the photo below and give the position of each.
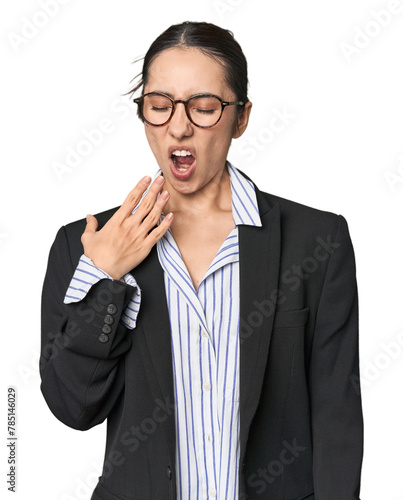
(244, 202)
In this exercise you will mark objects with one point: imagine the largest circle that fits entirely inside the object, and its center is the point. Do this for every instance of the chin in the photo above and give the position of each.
(183, 188)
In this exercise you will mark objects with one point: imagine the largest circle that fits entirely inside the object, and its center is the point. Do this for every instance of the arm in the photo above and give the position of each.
(84, 343)
(86, 275)
(337, 424)
(80, 370)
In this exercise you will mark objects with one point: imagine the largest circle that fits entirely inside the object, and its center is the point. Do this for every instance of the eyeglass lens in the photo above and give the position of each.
(204, 110)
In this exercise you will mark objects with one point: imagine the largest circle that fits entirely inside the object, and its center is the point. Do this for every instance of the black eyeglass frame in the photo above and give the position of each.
(139, 101)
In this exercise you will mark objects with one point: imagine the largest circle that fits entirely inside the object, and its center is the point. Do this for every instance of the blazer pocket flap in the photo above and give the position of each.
(290, 319)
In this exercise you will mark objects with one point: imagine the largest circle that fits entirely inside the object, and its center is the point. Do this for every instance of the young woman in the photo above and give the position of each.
(213, 325)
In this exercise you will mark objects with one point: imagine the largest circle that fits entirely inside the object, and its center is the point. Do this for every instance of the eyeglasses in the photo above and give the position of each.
(203, 110)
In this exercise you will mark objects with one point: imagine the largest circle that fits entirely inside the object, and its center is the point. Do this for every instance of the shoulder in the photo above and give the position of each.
(68, 238)
(76, 228)
(303, 226)
(291, 209)
(299, 213)
(300, 224)
(309, 236)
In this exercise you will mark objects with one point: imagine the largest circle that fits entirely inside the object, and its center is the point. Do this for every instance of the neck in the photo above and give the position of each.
(214, 196)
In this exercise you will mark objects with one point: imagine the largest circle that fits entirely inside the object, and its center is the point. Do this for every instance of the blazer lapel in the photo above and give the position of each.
(154, 325)
(259, 250)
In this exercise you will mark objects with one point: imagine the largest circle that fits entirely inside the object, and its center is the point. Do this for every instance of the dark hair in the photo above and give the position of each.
(213, 41)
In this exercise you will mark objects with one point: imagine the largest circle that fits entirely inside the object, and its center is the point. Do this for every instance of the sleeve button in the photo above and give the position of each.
(108, 319)
(103, 338)
(112, 309)
(106, 329)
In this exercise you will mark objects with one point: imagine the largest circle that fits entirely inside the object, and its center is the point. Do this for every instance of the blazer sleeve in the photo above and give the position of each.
(337, 422)
(87, 274)
(82, 344)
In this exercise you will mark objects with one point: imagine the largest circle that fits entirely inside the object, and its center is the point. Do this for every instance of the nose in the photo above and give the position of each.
(180, 125)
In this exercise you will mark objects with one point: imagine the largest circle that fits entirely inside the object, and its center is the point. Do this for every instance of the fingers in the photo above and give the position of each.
(135, 195)
(148, 201)
(125, 240)
(158, 232)
(133, 198)
(146, 219)
(92, 224)
(90, 229)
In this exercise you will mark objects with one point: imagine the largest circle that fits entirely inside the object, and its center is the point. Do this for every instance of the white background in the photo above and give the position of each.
(342, 151)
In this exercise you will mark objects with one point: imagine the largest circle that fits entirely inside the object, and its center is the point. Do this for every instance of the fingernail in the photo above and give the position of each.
(146, 179)
(170, 216)
(165, 195)
(159, 180)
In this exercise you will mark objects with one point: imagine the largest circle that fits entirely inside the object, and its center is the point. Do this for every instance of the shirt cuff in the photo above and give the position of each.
(87, 274)
(129, 315)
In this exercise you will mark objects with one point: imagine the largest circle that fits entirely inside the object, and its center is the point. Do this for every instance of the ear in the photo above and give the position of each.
(242, 121)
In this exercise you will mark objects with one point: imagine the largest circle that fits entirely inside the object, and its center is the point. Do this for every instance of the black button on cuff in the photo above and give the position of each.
(108, 319)
(103, 338)
(106, 329)
(112, 309)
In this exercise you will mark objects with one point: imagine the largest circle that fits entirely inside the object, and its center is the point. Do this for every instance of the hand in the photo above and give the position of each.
(126, 240)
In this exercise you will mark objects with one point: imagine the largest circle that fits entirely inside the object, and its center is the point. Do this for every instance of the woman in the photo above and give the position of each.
(213, 325)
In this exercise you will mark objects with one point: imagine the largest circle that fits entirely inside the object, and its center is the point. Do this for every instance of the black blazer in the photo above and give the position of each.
(300, 407)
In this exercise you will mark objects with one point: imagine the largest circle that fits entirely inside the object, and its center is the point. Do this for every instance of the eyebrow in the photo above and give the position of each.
(164, 92)
(172, 96)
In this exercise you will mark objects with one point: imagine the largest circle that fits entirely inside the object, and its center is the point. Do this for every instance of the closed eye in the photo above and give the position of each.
(154, 108)
(204, 111)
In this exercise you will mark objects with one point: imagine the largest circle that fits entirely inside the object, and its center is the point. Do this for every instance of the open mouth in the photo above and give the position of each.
(182, 159)
(183, 163)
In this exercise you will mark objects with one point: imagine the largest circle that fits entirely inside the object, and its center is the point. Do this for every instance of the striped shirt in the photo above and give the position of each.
(205, 354)
(86, 275)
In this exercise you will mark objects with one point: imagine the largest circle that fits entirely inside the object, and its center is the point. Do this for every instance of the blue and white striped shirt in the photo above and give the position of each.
(86, 275)
(205, 353)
